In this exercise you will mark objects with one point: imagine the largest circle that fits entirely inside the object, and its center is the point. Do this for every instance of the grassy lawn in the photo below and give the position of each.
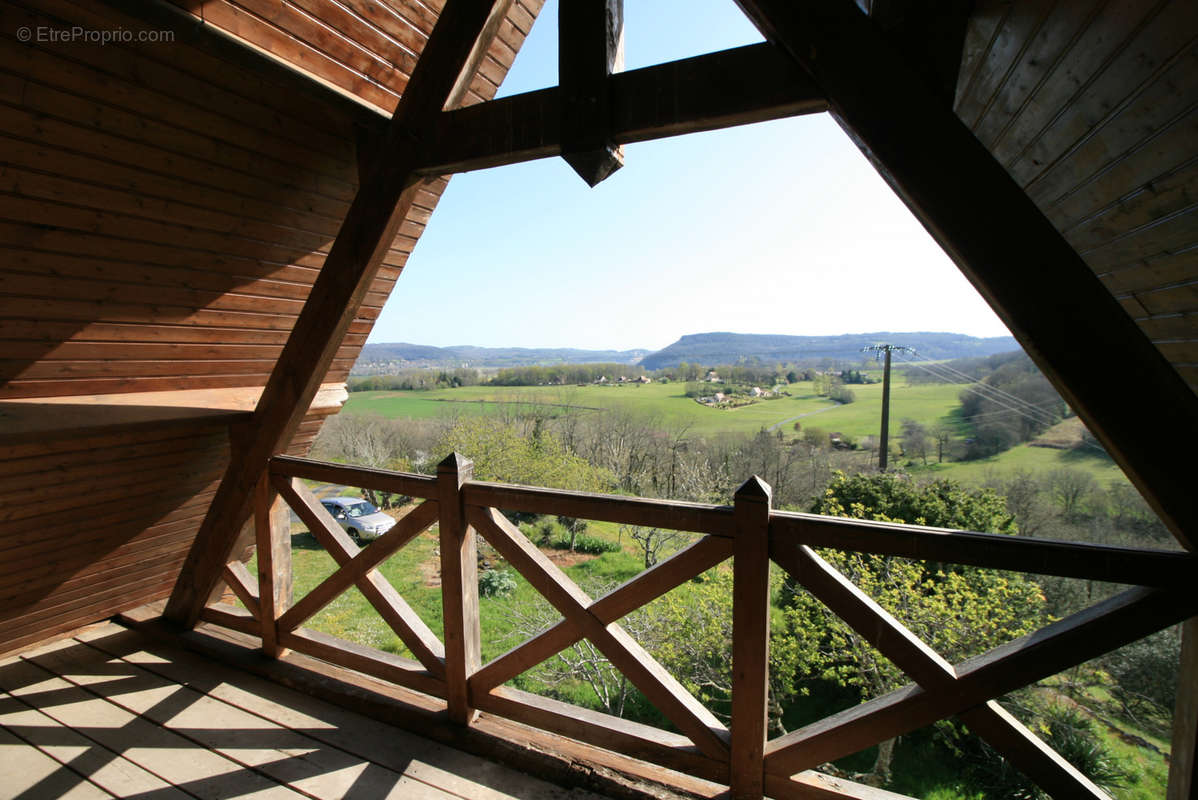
(928, 404)
(1022, 457)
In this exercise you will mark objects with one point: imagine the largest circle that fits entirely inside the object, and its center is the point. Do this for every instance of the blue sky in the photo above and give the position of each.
(780, 227)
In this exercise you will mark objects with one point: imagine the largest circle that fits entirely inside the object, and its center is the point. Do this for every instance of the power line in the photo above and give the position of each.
(997, 397)
(977, 386)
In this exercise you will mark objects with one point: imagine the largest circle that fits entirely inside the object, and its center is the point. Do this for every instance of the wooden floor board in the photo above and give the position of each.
(110, 771)
(176, 760)
(29, 773)
(378, 742)
(112, 713)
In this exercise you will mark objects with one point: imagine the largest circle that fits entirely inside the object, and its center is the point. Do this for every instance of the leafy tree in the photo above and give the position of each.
(501, 453)
(701, 656)
(957, 611)
(1145, 674)
(895, 497)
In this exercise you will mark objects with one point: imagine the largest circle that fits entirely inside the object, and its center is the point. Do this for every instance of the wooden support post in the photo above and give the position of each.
(590, 49)
(380, 206)
(459, 587)
(1183, 767)
(750, 638)
(272, 530)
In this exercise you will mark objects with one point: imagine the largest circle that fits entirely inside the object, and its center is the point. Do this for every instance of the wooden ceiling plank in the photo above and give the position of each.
(747, 84)
(373, 219)
(1048, 297)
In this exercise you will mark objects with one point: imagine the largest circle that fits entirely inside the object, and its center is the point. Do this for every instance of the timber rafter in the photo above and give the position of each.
(381, 204)
(739, 86)
(1036, 282)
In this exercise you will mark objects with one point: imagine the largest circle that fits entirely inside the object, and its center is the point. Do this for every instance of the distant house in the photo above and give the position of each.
(645, 379)
(601, 379)
(757, 392)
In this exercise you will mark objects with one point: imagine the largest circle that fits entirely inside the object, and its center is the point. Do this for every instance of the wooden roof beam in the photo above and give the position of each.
(590, 48)
(1041, 288)
(747, 84)
(383, 200)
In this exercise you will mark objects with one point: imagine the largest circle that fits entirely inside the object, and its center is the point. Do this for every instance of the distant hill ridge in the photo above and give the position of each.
(419, 355)
(702, 348)
(730, 348)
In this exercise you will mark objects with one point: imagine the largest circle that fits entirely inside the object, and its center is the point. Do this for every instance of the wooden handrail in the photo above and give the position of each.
(379, 480)
(754, 535)
(673, 515)
(1129, 565)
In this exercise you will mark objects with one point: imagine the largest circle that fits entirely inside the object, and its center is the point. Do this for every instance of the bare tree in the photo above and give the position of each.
(1070, 488)
(582, 661)
(655, 542)
(915, 440)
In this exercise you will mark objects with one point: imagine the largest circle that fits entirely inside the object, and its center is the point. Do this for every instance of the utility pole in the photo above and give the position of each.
(884, 443)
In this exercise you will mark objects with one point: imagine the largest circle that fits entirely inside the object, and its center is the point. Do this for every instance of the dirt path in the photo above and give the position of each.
(777, 425)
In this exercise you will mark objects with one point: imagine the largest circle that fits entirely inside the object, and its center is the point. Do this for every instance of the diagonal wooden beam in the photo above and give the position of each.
(1124, 618)
(754, 83)
(243, 585)
(659, 686)
(906, 651)
(382, 202)
(635, 593)
(1049, 298)
(412, 525)
(377, 590)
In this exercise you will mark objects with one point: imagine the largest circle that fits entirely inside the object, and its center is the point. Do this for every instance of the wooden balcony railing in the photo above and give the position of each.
(753, 535)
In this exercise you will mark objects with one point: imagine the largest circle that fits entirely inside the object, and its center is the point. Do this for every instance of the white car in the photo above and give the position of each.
(360, 519)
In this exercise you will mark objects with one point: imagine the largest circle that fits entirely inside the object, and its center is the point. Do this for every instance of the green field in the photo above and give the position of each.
(929, 404)
(667, 403)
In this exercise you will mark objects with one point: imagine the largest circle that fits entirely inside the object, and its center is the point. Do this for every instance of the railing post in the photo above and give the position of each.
(459, 587)
(1183, 767)
(750, 638)
(272, 534)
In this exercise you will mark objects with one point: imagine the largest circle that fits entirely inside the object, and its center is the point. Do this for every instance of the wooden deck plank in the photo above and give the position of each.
(286, 756)
(77, 754)
(199, 771)
(27, 769)
(425, 760)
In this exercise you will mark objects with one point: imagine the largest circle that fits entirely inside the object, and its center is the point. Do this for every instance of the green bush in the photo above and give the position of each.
(1067, 730)
(496, 583)
(1145, 674)
(587, 544)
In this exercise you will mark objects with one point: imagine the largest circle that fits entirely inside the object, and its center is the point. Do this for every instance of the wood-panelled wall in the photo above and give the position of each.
(163, 214)
(366, 47)
(1090, 106)
(91, 525)
(164, 211)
